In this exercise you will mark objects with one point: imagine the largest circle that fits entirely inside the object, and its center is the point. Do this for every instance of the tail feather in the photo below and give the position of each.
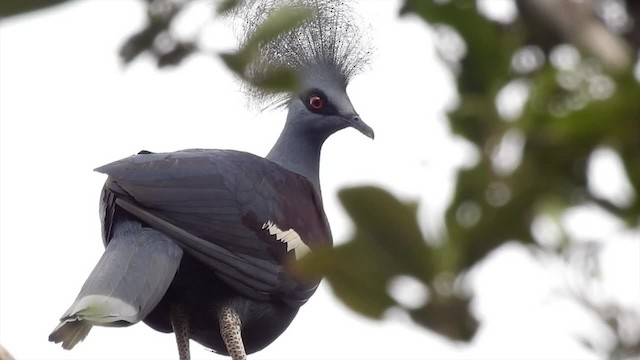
(70, 333)
(130, 279)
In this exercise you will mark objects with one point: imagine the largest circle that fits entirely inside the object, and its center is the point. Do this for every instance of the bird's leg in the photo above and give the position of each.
(180, 324)
(230, 327)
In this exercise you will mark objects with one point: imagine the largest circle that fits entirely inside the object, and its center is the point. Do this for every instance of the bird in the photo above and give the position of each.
(202, 242)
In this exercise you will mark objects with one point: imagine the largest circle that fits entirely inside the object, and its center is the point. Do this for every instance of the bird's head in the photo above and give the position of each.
(323, 107)
(325, 51)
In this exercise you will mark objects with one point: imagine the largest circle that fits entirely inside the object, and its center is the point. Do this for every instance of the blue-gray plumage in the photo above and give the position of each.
(200, 242)
(131, 277)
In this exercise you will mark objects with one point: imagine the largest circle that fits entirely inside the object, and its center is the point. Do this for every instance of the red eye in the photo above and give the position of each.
(316, 102)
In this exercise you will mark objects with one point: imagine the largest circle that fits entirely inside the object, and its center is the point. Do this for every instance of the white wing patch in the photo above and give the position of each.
(289, 237)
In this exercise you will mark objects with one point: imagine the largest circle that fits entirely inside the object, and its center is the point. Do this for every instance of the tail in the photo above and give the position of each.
(130, 279)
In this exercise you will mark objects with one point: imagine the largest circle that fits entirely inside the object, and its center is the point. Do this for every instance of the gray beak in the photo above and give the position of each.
(355, 122)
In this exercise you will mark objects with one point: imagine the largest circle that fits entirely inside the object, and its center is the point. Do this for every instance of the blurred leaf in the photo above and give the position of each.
(360, 269)
(383, 221)
(278, 80)
(448, 316)
(160, 15)
(226, 6)
(17, 7)
(357, 274)
(279, 22)
(388, 243)
(488, 49)
(469, 243)
(139, 42)
(175, 56)
(235, 61)
(282, 20)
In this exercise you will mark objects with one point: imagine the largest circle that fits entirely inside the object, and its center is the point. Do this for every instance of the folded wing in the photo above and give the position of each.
(222, 208)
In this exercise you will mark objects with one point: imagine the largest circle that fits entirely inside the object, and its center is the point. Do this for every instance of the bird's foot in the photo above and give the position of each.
(230, 329)
(180, 325)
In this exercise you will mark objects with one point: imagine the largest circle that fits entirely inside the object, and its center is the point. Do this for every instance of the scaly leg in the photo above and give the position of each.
(230, 327)
(180, 325)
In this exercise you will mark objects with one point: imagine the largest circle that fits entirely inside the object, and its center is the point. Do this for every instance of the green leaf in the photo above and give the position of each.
(236, 62)
(278, 80)
(140, 42)
(388, 242)
(448, 316)
(17, 7)
(357, 275)
(175, 56)
(282, 20)
(227, 6)
(489, 50)
(279, 22)
(391, 225)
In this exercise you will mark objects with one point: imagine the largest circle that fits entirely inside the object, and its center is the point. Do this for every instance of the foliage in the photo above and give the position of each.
(559, 127)
(570, 112)
(17, 7)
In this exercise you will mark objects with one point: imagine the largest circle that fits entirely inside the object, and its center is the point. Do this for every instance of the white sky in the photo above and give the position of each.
(67, 106)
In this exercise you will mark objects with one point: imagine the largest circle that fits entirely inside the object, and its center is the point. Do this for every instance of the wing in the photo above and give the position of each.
(243, 216)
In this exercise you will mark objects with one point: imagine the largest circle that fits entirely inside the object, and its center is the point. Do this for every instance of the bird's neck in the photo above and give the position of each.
(299, 152)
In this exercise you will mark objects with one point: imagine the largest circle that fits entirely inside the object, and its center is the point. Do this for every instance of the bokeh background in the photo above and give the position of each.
(495, 216)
